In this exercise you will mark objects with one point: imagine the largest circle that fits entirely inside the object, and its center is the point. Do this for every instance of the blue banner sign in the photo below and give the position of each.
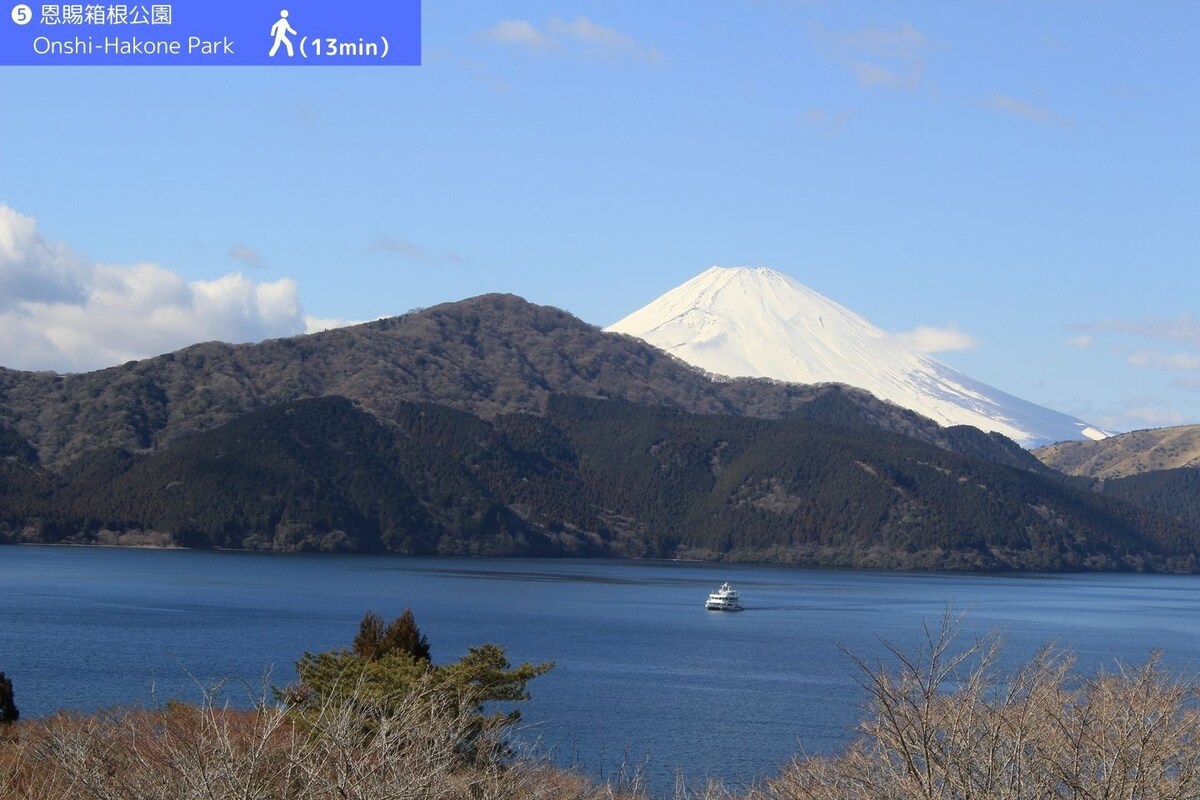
(211, 32)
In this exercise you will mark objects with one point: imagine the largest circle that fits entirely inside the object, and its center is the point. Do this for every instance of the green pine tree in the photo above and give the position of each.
(404, 636)
(386, 667)
(368, 644)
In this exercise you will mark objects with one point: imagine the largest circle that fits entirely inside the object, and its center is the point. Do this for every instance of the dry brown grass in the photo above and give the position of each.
(942, 723)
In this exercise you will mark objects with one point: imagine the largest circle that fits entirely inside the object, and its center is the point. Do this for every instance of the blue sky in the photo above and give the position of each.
(1024, 171)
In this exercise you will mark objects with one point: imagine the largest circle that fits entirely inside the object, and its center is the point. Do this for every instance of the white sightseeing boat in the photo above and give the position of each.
(724, 599)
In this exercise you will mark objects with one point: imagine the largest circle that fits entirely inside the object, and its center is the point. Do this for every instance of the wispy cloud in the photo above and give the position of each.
(891, 58)
(1184, 328)
(517, 32)
(1134, 413)
(390, 244)
(928, 339)
(1081, 341)
(403, 247)
(61, 311)
(1184, 368)
(580, 36)
(582, 29)
(1177, 353)
(1167, 362)
(246, 255)
(1153, 414)
(1007, 104)
(823, 121)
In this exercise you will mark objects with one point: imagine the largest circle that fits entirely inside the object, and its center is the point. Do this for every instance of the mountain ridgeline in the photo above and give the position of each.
(490, 355)
(495, 427)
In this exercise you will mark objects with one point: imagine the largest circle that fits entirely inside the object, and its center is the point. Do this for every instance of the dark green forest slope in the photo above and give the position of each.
(587, 477)
(1173, 492)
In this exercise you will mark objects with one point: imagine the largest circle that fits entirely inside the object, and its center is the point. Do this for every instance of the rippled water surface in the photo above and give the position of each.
(644, 676)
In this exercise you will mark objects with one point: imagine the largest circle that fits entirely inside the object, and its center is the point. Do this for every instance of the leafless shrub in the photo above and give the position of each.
(944, 724)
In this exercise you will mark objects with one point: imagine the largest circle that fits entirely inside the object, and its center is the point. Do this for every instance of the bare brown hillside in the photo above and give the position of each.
(1128, 454)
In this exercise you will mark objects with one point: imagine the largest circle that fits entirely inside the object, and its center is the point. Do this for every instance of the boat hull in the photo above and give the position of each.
(724, 599)
(721, 607)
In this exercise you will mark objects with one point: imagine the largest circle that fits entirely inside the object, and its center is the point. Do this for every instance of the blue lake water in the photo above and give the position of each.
(644, 676)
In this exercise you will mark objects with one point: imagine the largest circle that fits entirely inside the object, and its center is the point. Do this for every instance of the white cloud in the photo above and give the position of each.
(927, 339)
(578, 36)
(517, 32)
(32, 268)
(81, 315)
(1080, 341)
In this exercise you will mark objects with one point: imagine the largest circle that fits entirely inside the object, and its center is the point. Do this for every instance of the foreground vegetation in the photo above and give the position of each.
(941, 723)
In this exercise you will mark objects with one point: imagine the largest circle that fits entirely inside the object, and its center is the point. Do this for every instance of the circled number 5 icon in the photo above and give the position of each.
(22, 14)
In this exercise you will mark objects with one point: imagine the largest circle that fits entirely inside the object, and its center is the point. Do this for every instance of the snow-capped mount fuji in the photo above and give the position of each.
(756, 322)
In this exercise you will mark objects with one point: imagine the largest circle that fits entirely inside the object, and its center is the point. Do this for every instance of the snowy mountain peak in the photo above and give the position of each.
(756, 322)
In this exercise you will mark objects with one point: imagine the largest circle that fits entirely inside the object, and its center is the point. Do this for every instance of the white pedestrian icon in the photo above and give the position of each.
(280, 31)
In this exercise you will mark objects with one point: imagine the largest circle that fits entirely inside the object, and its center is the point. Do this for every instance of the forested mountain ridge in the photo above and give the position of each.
(494, 426)
(489, 355)
(1173, 492)
(586, 477)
